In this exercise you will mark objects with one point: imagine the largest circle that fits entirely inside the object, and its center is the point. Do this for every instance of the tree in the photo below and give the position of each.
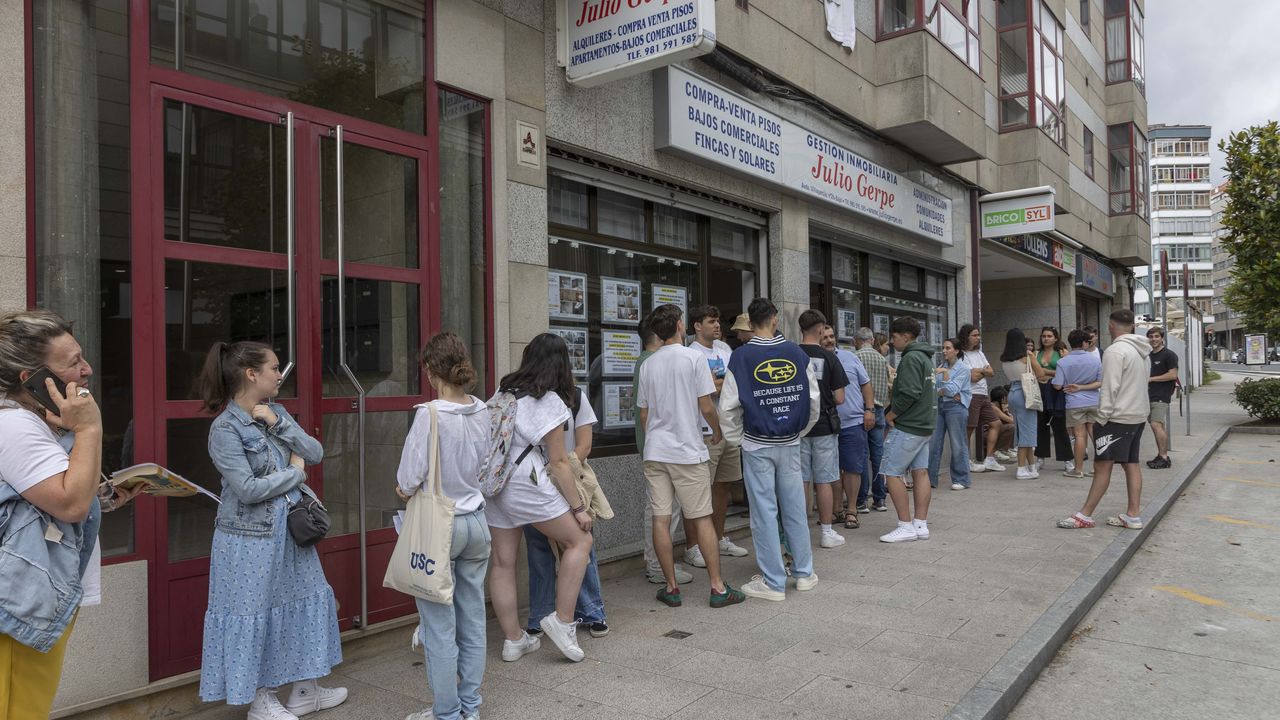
(1252, 220)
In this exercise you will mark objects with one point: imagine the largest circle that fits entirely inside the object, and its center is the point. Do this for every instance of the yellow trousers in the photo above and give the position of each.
(29, 678)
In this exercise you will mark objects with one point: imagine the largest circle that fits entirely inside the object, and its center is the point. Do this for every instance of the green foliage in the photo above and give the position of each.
(1209, 376)
(1259, 398)
(1252, 220)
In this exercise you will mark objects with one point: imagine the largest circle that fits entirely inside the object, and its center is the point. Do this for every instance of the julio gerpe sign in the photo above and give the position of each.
(610, 39)
(697, 117)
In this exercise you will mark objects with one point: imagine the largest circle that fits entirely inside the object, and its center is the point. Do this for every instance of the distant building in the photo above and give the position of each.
(1228, 326)
(1181, 222)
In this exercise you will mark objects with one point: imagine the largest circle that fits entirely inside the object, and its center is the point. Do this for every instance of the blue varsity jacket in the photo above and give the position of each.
(770, 395)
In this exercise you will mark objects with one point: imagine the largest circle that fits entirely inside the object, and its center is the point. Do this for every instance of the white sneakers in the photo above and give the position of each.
(307, 697)
(991, 464)
(728, 548)
(564, 635)
(682, 576)
(958, 486)
(757, 589)
(1069, 466)
(513, 650)
(831, 539)
(1039, 464)
(922, 529)
(1027, 473)
(977, 467)
(804, 584)
(903, 533)
(693, 556)
(1005, 456)
(266, 706)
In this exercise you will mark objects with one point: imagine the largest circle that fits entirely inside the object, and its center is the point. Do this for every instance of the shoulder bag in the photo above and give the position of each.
(421, 563)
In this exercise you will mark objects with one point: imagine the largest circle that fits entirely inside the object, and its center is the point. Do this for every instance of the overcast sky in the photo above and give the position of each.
(1213, 62)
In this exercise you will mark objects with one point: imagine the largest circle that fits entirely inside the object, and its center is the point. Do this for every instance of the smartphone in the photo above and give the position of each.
(35, 385)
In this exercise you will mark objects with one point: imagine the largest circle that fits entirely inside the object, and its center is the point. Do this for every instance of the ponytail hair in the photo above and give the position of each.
(223, 371)
(445, 356)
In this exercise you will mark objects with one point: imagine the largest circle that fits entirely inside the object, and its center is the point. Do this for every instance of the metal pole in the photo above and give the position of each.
(346, 369)
(290, 243)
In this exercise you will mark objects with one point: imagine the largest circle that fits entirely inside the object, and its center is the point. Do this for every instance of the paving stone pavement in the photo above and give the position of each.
(891, 631)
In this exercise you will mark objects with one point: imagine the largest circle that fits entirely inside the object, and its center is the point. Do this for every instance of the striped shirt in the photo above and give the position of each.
(878, 368)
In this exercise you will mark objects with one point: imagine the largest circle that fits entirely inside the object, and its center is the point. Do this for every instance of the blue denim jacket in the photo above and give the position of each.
(40, 588)
(254, 462)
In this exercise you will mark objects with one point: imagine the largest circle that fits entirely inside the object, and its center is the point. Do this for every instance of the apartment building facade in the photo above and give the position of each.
(1182, 226)
(506, 168)
(1228, 326)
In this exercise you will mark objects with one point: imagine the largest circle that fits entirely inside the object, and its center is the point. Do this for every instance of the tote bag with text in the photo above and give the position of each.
(420, 564)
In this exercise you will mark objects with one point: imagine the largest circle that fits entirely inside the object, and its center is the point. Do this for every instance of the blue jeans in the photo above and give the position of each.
(953, 425)
(453, 636)
(872, 481)
(773, 485)
(542, 582)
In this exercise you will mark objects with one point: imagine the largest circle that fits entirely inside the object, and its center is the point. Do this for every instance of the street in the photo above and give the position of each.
(1272, 368)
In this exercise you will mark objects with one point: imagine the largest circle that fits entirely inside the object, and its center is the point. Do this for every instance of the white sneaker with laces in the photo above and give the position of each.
(977, 467)
(1005, 457)
(1069, 466)
(991, 464)
(903, 533)
(1025, 473)
(831, 539)
(957, 486)
(421, 715)
(1039, 464)
(513, 650)
(308, 696)
(728, 548)
(922, 529)
(266, 706)
(757, 589)
(804, 584)
(682, 576)
(564, 635)
(693, 556)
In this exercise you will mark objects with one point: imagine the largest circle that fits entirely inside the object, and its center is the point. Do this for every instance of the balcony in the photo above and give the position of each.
(929, 99)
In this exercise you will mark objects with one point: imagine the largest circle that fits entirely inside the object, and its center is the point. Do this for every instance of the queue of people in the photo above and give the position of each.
(788, 419)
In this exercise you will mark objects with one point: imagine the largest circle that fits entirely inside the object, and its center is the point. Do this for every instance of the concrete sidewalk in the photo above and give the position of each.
(1191, 628)
(891, 631)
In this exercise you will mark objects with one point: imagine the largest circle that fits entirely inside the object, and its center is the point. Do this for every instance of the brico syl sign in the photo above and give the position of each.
(1030, 213)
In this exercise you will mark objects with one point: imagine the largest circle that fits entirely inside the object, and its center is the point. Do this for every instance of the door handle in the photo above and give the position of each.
(291, 241)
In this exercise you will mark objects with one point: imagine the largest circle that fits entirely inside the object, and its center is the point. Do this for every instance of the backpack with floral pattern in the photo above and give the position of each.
(497, 467)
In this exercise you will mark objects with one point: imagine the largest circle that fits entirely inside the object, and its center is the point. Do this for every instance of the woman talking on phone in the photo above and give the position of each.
(272, 618)
(49, 470)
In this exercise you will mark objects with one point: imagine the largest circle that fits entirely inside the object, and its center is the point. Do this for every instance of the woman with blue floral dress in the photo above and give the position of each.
(272, 618)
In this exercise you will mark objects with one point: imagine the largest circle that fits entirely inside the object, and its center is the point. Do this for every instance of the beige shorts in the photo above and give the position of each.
(726, 461)
(1079, 416)
(1159, 413)
(690, 484)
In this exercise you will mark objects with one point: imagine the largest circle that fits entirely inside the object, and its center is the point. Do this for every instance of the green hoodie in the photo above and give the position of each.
(914, 401)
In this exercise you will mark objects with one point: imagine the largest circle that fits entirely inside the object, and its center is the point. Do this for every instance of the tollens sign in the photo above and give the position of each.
(610, 39)
(1032, 213)
(697, 117)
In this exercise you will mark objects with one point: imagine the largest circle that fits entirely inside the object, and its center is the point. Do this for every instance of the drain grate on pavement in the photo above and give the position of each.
(677, 634)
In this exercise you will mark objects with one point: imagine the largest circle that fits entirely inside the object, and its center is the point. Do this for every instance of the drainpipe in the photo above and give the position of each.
(975, 267)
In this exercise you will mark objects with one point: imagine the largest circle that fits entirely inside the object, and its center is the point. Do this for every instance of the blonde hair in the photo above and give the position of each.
(25, 337)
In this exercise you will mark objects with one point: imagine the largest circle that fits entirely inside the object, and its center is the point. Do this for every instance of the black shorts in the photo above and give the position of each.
(1118, 442)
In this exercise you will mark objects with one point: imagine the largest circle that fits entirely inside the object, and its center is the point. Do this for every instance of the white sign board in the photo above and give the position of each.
(1255, 349)
(610, 39)
(1017, 215)
(699, 118)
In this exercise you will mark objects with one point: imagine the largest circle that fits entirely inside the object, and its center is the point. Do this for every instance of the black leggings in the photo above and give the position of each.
(1055, 423)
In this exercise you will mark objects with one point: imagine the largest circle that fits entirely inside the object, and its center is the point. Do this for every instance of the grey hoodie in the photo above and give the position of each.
(1125, 374)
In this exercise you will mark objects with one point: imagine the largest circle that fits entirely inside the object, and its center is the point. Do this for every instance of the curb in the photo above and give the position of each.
(999, 691)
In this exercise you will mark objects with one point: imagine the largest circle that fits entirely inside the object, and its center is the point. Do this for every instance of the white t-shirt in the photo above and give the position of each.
(464, 442)
(586, 416)
(717, 357)
(671, 382)
(976, 359)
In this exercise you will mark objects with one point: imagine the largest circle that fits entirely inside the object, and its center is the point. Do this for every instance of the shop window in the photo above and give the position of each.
(955, 23)
(620, 216)
(1127, 170)
(1032, 83)
(730, 241)
(362, 58)
(1125, 42)
(674, 227)
(568, 203)
(464, 231)
(881, 273)
(83, 268)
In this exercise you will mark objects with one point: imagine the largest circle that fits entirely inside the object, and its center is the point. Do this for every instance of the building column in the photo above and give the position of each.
(789, 264)
(13, 160)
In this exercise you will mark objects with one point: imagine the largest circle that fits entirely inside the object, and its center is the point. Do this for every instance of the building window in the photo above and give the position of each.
(1181, 226)
(1084, 15)
(1124, 42)
(1179, 148)
(1127, 170)
(1182, 200)
(1031, 68)
(1181, 173)
(1088, 152)
(954, 22)
(613, 257)
(1184, 252)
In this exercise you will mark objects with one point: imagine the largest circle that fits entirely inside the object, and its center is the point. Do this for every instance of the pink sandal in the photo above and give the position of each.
(1077, 522)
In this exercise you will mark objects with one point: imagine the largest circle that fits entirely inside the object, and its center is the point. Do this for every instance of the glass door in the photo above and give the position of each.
(289, 229)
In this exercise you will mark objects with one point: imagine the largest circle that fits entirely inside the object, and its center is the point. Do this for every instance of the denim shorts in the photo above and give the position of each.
(1025, 420)
(819, 459)
(853, 449)
(904, 452)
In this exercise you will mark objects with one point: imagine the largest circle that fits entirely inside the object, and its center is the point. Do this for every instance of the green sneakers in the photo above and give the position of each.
(670, 598)
(730, 596)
